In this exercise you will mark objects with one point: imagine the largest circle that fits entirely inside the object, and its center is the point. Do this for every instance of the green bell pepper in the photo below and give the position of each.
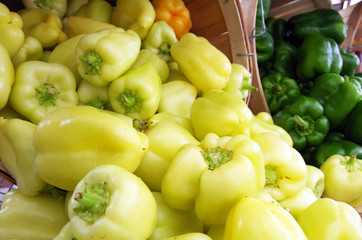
(105, 55)
(343, 179)
(172, 222)
(350, 62)
(338, 96)
(327, 22)
(264, 46)
(334, 143)
(352, 127)
(38, 217)
(96, 9)
(277, 27)
(318, 55)
(277, 89)
(285, 58)
(41, 87)
(327, 219)
(159, 40)
(6, 76)
(111, 203)
(303, 118)
(210, 177)
(137, 93)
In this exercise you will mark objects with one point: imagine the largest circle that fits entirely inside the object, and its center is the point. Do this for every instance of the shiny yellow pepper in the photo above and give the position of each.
(70, 141)
(83, 25)
(44, 25)
(31, 50)
(6, 76)
(59, 7)
(100, 10)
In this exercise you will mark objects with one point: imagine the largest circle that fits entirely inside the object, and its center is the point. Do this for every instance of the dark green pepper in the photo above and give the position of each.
(318, 55)
(303, 118)
(334, 143)
(327, 22)
(278, 88)
(338, 95)
(277, 27)
(350, 62)
(353, 124)
(264, 42)
(285, 58)
(262, 12)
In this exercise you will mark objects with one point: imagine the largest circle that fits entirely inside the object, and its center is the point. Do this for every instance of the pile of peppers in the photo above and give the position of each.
(117, 123)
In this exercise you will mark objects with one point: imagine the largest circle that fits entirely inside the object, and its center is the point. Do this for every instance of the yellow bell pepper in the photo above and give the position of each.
(91, 95)
(177, 97)
(58, 7)
(165, 138)
(137, 92)
(83, 25)
(166, 116)
(12, 35)
(172, 222)
(315, 180)
(189, 236)
(38, 217)
(343, 178)
(70, 141)
(65, 233)
(73, 6)
(201, 62)
(285, 169)
(6, 76)
(212, 176)
(136, 15)
(100, 10)
(216, 232)
(252, 218)
(110, 203)
(327, 219)
(31, 50)
(44, 25)
(105, 55)
(222, 113)
(17, 153)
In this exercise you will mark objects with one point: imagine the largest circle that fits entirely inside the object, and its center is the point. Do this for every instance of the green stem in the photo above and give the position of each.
(272, 176)
(130, 101)
(97, 103)
(47, 94)
(165, 48)
(303, 125)
(247, 86)
(92, 62)
(352, 163)
(139, 125)
(44, 4)
(215, 157)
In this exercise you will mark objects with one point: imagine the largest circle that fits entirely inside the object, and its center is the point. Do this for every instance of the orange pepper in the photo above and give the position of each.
(175, 13)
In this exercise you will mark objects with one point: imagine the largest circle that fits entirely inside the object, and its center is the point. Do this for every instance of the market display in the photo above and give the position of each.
(118, 122)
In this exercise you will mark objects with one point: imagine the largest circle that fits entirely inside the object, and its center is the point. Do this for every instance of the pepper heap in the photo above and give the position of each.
(140, 129)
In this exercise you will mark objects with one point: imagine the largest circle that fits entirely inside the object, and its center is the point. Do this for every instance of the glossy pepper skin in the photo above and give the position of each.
(230, 115)
(315, 180)
(96, 9)
(42, 87)
(251, 218)
(202, 63)
(338, 95)
(159, 40)
(350, 62)
(12, 34)
(91, 95)
(58, 7)
(136, 15)
(317, 219)
(334, 143)
(38, 217)
(318, 55)
(73, 140)
(285, 58)
(44, 25)
(175, 14)
(327, 22)
(30, 50)
(352, 126)
(172, 222)
(165, 138)
(17, 154)
(6, 76)
(220, 171)
(303, 118)
(189, 236)
(137, 93)
(285, 169)
(277, 27)
(343, 178)
(112, 203)
(82, 25)
(277, 89)
(106, 54)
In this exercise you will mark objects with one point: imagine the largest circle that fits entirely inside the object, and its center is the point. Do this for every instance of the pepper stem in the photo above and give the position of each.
(92, 202)
(215, 157)
(44, 4)
(97, 103)
(247, 86)
(272, 176)
(92, 62)
(277, 89)
(139, 125)
(352, 163)
(130, 101)
(165, 48)
(47, 94)
(303, 125)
